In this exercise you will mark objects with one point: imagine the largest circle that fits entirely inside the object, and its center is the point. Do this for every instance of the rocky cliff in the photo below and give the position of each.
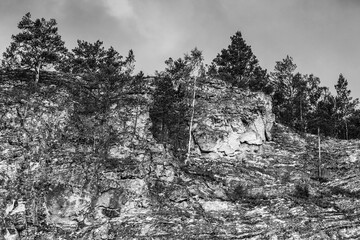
(230, 122)
(244, 179)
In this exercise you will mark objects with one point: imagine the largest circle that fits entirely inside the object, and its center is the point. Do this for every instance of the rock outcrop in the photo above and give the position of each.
(56, 184)
(230, 122)
(246, 178)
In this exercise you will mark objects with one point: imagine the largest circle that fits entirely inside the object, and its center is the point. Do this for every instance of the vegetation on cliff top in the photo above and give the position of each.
(98, 75)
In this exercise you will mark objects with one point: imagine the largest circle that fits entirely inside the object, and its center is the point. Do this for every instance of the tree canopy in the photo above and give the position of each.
(295, 96)
(345, 105)
(100, 76)
(38, 45)
(94, 58)
(238, 65)
(174, 100)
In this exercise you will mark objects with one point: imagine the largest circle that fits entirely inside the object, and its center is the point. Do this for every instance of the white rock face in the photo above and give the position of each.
(252, 138)
(228, 145)
(228, 126)
(259, 127)
(354, 156)
(214, 206)
(11, 209)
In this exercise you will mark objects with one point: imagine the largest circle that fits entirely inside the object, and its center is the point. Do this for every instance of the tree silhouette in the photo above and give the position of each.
(296, 96)
(283, 77)
(38, 45)
(345, 105)
(173, 111)
(103, 80)
(89, 58)
(238, 65)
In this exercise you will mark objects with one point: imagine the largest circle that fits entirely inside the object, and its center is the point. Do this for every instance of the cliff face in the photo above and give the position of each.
(230, 122)
(246, 178)
(56, 181)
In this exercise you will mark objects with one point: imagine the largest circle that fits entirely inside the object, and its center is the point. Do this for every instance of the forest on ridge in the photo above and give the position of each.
(99, 75)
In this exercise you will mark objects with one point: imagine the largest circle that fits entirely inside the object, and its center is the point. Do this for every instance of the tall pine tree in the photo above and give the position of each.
(38, 45)
(345, 106)
(175, 100)
(284, 89)
(238, 65)
(295, 95)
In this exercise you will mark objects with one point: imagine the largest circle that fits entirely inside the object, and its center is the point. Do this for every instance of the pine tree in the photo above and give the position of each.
(345, 105)
(284, 89)
(307, 95)
(354, 123)
(238, 65)
(102, 73)
(90, 58)
(324, 115)
(104, 78)
(175, 101)
(38, 45)
(295, 96)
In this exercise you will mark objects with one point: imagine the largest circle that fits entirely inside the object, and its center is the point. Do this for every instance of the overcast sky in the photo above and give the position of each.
(322, 36)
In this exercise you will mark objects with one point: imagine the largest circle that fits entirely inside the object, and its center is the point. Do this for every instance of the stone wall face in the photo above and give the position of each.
(60, 179)
(50, 181)
(116, 187)
(71, 190)
(229, 121)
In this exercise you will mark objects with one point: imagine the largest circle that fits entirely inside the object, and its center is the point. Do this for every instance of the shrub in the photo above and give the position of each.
(301, 191)
(337, 190)
(239, 192)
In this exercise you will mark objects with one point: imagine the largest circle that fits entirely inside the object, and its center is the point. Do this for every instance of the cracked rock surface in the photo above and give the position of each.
(247, 178)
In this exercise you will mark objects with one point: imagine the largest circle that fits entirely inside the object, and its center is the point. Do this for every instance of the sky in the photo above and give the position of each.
(322, 36)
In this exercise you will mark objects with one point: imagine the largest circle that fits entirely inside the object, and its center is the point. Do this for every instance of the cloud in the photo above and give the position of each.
(119, 8)
(171, 28)
(322, 36)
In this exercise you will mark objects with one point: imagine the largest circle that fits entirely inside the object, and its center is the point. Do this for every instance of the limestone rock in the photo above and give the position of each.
(226, 120)
(251, 138)
(237, 185)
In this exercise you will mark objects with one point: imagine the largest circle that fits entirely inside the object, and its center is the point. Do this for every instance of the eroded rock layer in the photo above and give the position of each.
(230, 122)
(246, 178)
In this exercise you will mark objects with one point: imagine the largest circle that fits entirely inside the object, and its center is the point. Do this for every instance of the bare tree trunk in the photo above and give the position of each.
(301, 117)
(135, 121)
(94, 141)
(37, 73)
(346, 130)
(192, 119)
(319, 163)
